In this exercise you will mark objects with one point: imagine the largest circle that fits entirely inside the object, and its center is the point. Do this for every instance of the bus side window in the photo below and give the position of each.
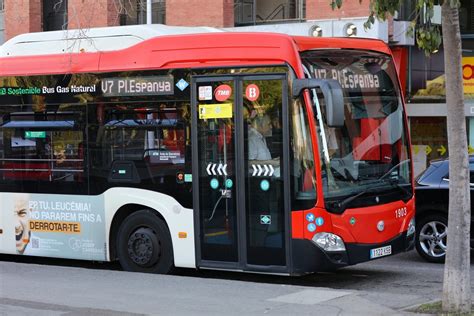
(42, 150)
(151, 139)
(303, 165)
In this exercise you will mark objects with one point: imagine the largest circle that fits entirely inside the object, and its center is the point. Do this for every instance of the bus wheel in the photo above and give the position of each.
(144, 244)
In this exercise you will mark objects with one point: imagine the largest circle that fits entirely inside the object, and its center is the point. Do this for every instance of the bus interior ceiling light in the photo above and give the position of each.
(329, 242)
(350, 30)
(316, 31)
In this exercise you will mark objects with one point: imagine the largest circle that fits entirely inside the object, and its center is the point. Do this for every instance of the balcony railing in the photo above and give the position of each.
(245, 13)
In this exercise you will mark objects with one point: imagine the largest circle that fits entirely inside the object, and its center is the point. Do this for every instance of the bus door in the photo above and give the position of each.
(240, 198)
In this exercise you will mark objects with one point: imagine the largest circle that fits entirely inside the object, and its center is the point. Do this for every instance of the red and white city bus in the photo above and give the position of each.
(241, 151)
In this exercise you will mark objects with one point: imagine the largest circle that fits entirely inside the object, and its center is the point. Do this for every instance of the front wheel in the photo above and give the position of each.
(431, 236)
(144, 244)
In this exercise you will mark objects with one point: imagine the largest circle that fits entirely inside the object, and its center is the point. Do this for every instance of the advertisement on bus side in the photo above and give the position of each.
(66, 226)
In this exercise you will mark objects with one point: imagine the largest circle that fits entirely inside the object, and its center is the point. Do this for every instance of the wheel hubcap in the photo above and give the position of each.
(144, 247)
(433, 237)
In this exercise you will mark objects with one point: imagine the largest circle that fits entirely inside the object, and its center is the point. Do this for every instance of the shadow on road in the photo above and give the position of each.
(348, 277)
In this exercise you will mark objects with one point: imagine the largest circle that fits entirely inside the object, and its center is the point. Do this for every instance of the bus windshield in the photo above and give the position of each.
(368, 156)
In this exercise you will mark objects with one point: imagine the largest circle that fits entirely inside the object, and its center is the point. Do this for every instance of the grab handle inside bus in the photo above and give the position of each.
(332, 92)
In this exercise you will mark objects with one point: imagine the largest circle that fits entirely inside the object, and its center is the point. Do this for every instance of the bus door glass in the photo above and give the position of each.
(238, 171)
(215, 159)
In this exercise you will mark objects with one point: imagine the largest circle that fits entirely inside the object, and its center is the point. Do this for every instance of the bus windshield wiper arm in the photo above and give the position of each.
(344, 203)
(396, 185)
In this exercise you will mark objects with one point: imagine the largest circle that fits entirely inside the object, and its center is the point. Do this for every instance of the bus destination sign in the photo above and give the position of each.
(113, 87)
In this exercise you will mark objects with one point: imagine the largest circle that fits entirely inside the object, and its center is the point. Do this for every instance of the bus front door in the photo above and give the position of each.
(239, 136)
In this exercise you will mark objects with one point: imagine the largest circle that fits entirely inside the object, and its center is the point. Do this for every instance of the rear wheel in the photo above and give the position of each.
(431, 236)
(144, 244)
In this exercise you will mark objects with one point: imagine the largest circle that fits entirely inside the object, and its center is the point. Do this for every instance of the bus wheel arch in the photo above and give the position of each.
(141, 240)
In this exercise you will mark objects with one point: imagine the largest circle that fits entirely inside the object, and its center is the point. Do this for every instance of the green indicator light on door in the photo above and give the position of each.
(264, 185)
(229, 184)
(214, 183)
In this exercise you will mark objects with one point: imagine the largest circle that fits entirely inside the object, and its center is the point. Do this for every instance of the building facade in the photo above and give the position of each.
(422, 77)
(24, 16)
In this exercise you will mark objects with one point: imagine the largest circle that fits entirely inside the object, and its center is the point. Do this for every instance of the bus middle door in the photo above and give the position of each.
(239, 164)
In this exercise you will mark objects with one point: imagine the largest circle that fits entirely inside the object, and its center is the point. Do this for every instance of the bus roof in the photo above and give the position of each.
(308, 43)
(208, 49)
(91, 39)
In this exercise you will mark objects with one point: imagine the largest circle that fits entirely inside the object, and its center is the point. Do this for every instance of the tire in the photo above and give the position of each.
(144, 244)
(431, 236)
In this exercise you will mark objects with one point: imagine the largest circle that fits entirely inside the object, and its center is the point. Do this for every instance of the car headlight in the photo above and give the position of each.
(329, 242)
(411, 227)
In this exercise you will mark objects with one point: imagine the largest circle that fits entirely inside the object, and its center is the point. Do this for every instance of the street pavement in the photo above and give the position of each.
(369, 289)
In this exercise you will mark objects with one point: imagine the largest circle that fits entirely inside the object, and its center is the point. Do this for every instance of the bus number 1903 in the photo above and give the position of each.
(400, 212)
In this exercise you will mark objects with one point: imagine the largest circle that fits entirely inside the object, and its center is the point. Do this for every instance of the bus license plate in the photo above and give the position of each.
(380, 252)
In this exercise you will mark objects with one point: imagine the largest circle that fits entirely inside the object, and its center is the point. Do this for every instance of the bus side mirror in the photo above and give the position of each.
(332, 92)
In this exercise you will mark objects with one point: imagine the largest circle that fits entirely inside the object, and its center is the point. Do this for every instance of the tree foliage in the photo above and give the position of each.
(427, 34)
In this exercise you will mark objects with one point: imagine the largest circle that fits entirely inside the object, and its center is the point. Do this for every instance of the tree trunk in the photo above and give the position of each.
(457, 283)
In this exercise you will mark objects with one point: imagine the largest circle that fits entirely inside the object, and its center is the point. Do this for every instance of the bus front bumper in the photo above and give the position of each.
(310, 258)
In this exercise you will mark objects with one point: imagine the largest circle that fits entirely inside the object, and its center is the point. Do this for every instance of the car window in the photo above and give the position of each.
(471, 172)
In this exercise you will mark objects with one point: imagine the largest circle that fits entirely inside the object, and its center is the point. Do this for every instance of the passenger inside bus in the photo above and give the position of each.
(259, 129)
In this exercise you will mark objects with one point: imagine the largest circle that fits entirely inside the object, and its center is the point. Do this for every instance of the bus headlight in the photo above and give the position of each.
(329, 242)
(411, 227)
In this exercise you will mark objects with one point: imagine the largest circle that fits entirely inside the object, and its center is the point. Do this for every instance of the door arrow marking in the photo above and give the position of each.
(260, 170)
(254, 171)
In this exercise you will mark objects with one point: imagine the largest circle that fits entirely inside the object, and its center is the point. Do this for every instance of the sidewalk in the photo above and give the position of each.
(30, 289)
(327, 301)
(313, 302)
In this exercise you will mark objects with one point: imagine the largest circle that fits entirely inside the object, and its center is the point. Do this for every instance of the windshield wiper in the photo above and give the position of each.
(342, 205)
(394, 184)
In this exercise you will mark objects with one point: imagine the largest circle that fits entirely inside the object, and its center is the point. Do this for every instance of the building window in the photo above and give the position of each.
(158, 11)
(427, 79)
(54, 15)
(252, 12)
(2, 5)
(134, 12)
(429, 138)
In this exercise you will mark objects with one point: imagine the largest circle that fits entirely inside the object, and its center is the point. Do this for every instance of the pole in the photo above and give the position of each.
(148, 12)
